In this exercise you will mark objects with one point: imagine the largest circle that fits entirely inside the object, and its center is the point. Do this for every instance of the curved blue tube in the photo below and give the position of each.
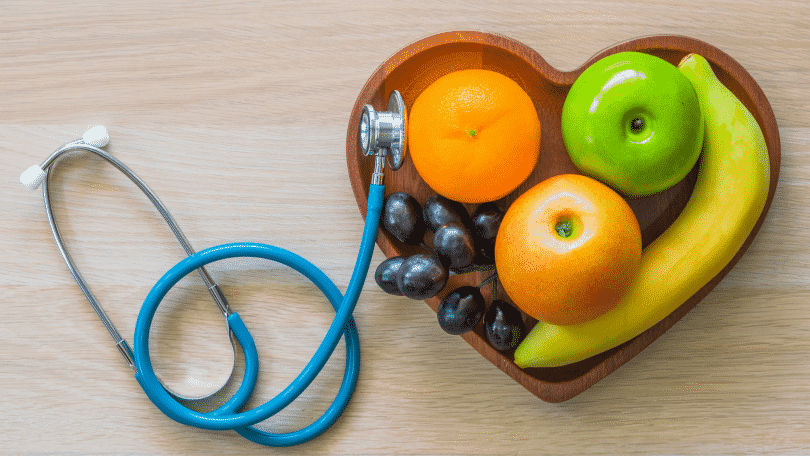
(242, 335)
(226, 416)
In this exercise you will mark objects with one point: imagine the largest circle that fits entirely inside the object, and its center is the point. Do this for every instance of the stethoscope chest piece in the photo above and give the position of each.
(385, 131)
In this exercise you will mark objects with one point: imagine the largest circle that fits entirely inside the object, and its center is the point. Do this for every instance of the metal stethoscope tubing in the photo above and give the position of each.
(84, 145)
(92, 142)
(381, 134)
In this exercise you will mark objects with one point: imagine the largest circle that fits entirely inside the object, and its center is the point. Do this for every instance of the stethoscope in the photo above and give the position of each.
(381, 134)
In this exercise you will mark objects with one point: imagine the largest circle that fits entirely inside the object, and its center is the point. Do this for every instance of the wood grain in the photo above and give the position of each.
(236, 114)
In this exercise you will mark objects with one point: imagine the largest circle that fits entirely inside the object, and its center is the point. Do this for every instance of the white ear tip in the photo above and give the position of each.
(96, 136)
(32, 177)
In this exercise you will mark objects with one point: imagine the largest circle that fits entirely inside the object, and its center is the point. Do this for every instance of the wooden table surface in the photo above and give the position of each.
(235, 113)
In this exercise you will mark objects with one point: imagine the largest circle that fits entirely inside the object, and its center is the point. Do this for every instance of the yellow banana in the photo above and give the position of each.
(728, 198)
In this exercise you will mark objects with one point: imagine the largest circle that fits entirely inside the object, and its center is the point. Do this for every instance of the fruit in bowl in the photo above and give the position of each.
(414, 67)
(474, 135)
(633, 121)
(728, 198)
(567, 249)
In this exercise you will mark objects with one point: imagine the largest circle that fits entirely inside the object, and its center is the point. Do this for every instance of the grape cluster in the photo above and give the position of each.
(457, 243)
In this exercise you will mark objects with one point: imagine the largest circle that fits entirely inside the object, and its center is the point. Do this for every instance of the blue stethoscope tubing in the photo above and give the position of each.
(227, 416)
(381, 134)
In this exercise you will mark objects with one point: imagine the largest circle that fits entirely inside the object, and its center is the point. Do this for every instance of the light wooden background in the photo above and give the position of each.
(235, 112)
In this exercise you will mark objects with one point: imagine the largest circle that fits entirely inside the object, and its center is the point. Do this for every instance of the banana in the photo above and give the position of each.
(728, 198)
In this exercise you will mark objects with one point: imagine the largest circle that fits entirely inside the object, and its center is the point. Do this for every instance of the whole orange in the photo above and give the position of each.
(474, 135)
(568, 249)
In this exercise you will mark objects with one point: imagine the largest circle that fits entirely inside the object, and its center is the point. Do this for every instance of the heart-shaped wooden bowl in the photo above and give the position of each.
(416, 66)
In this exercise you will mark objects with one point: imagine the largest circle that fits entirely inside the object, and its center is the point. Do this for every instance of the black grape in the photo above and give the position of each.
(421, 276)
(402, 217)
(485, 222)
(503, 325)
(440, 210)
(386, 275)
(454, 245)
(461, 310)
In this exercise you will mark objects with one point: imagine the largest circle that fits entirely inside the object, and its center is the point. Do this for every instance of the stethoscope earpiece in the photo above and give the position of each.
(32, 177)
(384, 132)
(96, 136)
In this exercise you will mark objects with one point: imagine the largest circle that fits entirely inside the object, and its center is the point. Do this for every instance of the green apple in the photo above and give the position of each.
(633, 121)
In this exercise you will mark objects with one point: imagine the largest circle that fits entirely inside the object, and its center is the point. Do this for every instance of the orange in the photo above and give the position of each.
(474, 135)
(568, 249)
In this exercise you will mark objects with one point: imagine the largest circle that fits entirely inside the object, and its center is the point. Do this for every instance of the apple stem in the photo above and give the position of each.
(564, 229)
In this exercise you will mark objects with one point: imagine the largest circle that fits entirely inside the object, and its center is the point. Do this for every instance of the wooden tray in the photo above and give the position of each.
(416, 66)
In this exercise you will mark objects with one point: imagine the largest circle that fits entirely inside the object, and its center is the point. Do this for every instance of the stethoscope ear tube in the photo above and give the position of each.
(91, 141)
(343, 324)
